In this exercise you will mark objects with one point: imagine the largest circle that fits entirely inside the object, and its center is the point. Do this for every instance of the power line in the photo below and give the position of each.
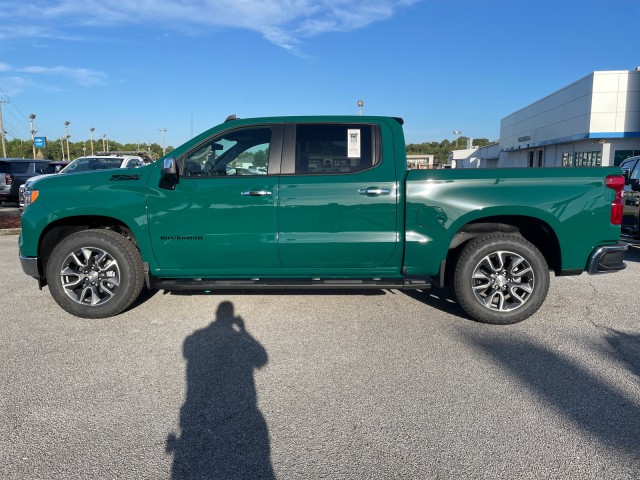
(24, 117)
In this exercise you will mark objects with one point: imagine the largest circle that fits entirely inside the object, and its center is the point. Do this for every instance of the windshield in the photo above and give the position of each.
(90, 164)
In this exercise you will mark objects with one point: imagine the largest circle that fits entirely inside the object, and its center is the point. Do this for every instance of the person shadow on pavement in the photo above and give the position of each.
(222, 432)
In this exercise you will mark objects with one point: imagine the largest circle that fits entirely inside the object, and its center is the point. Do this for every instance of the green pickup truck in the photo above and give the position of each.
(318, 202)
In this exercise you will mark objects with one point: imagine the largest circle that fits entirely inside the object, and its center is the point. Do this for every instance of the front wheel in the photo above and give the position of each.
(500, 279)
(95, 273)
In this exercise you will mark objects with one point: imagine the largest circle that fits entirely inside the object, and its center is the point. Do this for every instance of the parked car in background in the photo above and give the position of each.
(103, 162)
(57, 166)
(631, 194)
(15, 171)
(85, 164)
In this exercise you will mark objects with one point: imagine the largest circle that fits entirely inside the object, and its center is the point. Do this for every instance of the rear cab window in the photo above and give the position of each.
(322, 149)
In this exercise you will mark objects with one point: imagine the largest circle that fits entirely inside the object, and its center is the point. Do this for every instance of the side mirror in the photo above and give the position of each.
(169, 176)
(635, 184)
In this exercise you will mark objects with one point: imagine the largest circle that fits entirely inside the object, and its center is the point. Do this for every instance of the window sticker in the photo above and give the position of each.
(353, 142)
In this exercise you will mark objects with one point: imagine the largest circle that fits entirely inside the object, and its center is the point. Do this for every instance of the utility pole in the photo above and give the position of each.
(4, 145)
(91, 130)
(457, 133)
(66, 127)
(32, 117)
(163, 130)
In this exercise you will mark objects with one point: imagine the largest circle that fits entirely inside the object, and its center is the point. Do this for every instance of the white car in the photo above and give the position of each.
(87, 164)
(103, 162)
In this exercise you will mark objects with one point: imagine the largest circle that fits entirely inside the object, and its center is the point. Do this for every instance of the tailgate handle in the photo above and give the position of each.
(374, 191)
(255, 193)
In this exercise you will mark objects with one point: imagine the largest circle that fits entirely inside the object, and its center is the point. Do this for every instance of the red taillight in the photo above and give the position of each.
(616, 182)
(8, 179)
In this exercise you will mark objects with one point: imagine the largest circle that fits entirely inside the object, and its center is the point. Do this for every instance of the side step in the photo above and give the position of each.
(408, 283)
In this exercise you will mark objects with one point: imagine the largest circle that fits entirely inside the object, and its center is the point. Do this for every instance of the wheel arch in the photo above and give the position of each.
(62, 228)
(532, 229)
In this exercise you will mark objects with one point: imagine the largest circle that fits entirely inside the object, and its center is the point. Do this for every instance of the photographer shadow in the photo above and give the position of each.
(222, 432)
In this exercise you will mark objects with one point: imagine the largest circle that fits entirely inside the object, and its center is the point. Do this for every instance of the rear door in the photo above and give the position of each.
(338, 206)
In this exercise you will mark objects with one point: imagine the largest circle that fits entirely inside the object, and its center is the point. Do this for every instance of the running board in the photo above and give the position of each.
(285, 284)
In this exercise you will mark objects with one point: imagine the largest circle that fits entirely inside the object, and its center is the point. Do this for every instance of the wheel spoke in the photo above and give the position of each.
(71, 283)
(74, 259)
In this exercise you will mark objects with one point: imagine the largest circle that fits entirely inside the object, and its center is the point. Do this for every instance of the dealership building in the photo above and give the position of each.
(595, 121)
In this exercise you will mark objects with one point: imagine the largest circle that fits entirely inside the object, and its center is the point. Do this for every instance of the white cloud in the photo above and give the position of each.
(14, 85)
(283, 22)
(80, 76)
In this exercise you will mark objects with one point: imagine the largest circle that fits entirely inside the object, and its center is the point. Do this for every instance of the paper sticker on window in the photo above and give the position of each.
(353, 142)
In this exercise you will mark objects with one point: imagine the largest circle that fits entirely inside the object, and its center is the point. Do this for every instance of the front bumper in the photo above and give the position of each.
(607, 259)
(30, 266)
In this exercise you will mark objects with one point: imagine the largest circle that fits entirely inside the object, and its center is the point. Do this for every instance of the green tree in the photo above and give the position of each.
(440, 150)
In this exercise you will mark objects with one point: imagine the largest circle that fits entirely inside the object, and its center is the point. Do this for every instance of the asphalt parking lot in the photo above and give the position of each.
(379, 384)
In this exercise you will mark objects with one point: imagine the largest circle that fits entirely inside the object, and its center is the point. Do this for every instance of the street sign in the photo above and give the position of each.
(39, 142)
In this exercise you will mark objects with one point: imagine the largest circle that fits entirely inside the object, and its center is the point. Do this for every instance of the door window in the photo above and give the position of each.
(233, 153)
(20, 167)
(329, 148)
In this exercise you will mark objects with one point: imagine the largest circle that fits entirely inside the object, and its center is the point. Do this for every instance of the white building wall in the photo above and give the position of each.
(561, 115)
(616, 102)
(599, 113)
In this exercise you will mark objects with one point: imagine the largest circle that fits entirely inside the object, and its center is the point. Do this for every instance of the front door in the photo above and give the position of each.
(221, 219)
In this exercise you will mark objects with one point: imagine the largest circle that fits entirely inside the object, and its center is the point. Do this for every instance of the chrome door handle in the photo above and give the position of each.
(255, 193)
(374, 191)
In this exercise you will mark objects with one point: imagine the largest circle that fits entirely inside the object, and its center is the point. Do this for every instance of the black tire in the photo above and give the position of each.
(500, 279)
(95, 273)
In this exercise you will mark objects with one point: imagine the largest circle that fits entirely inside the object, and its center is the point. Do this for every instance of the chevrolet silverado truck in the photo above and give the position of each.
(318, 202)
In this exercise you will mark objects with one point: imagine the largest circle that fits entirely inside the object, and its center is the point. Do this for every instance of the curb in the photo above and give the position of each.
(10, 231)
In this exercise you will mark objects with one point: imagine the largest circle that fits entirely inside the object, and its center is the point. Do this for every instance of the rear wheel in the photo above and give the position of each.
(501, 279)
(95, 273)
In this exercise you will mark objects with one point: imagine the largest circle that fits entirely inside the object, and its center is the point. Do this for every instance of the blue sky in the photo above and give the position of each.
(129, 69)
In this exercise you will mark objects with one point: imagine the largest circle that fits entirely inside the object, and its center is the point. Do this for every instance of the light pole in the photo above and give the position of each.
(91, 130)
(104, 142)
(4, 145)
(360, 107)
(66, 127)
(32, 117)
(163, 130)
(457, 133)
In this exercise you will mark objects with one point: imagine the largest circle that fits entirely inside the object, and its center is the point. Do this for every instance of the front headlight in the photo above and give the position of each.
(30, 196)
